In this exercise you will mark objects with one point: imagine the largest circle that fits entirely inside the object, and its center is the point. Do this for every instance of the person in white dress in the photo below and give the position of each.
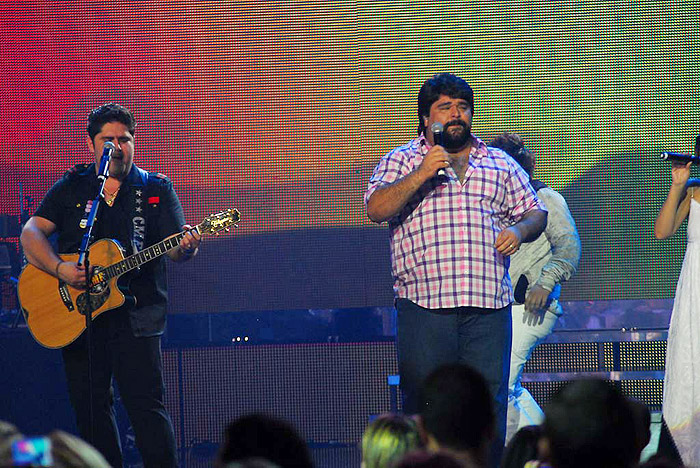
(681, 398)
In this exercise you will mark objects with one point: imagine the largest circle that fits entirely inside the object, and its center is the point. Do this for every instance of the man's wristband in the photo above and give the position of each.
(187, 253)
(58, 265)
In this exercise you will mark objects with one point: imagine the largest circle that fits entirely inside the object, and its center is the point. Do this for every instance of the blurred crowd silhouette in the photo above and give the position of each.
(588, 423)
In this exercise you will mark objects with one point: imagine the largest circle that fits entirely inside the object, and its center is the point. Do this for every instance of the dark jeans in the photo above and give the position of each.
(136, 365)
(478, 337)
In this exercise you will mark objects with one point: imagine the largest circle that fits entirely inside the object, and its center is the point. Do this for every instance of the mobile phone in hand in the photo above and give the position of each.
(32, 451)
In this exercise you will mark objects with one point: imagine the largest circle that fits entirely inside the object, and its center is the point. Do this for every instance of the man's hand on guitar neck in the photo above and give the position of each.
(71, 273)
(189, 245)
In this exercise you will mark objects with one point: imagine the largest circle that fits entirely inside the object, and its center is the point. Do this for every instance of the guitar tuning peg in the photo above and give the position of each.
(228, 229)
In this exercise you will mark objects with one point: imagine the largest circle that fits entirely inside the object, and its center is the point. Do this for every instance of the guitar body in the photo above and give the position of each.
(55, 312)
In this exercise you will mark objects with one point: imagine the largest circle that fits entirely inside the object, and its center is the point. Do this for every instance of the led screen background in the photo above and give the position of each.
(282, 109)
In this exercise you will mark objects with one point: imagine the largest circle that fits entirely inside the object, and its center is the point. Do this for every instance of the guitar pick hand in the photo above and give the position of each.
(71, 273)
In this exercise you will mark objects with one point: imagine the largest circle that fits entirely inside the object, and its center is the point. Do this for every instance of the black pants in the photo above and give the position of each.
(136, 366)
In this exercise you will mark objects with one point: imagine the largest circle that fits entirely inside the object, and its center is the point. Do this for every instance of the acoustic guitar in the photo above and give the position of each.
(55, 312)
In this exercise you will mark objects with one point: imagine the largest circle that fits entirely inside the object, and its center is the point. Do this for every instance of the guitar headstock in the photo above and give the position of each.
(220, 221)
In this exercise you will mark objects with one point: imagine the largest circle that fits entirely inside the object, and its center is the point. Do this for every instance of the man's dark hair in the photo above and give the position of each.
(262, 436)
(513, 144)
(643, 423)
(522, 447)
(251, 463)
(106, 113)
(423, 459)
(590, 423)
(457, 407)
(442, 84)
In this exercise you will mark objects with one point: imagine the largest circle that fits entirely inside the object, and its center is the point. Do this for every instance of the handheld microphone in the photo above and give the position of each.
(437, 129)
(684, 158)
(679, 157)
(107, 152)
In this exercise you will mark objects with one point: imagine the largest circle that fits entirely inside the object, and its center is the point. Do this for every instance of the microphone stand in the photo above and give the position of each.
(84, 259)
(24, 206)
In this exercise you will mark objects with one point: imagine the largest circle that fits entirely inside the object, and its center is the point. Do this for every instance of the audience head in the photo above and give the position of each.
(8, 435)
(387, 439)
(251, 463)
(457, 410)
(70, 451)
(66, 450)
(522, 447)
(423, 459)
(590, 423)
(513, 144)
(642, 419)
(261, 436)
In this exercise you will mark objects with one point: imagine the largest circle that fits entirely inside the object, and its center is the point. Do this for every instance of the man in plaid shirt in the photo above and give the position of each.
(456, 212)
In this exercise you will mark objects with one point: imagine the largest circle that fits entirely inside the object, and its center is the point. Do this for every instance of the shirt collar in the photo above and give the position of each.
(136, 176)
(479, 148)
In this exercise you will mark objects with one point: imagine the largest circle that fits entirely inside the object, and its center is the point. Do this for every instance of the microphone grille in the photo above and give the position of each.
(109, 145)
(437, 127)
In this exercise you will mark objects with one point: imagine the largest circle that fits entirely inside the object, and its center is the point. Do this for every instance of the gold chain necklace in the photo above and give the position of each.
(110, 197)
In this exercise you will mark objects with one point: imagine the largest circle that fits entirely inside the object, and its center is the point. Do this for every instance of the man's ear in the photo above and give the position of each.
(91, 145)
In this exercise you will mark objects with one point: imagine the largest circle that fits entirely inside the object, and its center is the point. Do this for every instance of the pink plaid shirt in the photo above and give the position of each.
(442, 243)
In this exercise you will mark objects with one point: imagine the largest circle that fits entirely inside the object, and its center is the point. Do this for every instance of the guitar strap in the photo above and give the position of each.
(140, 189)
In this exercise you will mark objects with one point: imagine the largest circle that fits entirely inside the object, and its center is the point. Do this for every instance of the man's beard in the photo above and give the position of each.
(454, 141)
(118, 168)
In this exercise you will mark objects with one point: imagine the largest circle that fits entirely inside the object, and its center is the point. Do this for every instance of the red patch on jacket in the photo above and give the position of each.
(153, 200)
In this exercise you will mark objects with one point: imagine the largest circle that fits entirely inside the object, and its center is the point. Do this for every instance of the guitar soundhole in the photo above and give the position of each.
(100, 287)
(99, 294)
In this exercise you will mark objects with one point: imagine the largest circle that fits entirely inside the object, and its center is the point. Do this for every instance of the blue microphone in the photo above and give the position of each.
(679, 157)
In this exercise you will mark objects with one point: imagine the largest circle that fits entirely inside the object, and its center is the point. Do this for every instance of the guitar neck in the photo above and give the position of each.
(144, 256)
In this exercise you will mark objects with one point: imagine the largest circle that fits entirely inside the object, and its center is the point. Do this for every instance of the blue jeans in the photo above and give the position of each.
(481, 338)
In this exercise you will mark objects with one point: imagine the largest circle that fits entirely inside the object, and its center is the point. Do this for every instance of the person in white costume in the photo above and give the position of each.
(537, 270)
(681, 398)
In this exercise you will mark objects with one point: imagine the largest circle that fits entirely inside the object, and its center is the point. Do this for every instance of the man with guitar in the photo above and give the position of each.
(138, 209)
